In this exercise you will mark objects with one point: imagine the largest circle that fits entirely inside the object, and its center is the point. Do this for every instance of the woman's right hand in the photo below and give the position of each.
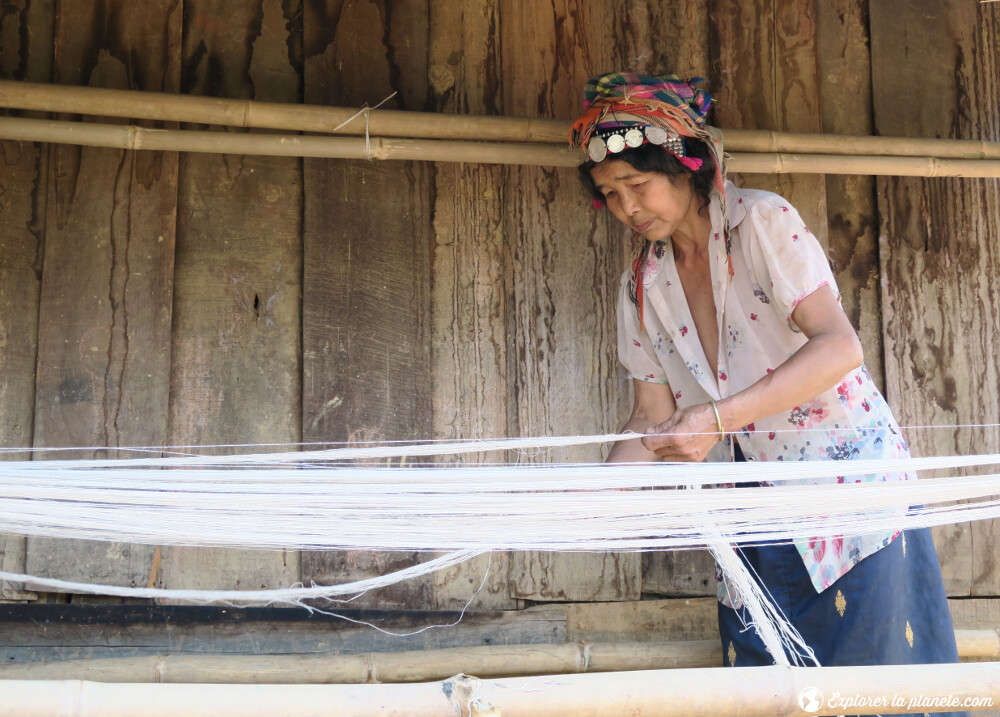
(687, 436)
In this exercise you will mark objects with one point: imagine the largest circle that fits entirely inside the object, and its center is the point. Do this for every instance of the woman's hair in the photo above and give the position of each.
(654, 158)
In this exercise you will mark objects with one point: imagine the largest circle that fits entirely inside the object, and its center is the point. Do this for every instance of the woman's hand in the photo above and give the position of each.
(688, 435)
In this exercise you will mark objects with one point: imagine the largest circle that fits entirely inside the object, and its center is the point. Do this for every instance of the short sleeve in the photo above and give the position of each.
(786, 255)
(634, 347)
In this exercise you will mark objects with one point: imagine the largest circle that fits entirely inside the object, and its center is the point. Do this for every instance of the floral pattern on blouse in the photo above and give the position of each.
(776, 262)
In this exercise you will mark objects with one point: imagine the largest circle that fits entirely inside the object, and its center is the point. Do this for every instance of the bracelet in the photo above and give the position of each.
(718, 420)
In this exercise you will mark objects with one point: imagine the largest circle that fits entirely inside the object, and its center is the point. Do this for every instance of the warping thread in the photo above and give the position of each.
(313, 500)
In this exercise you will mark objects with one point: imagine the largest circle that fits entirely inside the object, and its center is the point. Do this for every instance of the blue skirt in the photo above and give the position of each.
(889, 609)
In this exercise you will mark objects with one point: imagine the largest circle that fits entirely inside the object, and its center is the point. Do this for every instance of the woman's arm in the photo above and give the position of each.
(653, 404)
(832, 351)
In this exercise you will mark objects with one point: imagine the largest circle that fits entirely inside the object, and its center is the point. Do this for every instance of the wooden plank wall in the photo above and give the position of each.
(940, 253)
(215, 299)
(26, 36)
(105, 314)
(236, 376)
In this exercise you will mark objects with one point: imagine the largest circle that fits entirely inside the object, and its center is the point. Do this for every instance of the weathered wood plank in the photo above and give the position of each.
(469, 387)
(104, 320)
(764, 77)
(975, 613)
(564, 262)
(236, 370)
(682, 573)
(90, 632)
(940, 254)
(670, 38)
(367, 239)
(26, 36)
(845, 87)
(642, 621)
(468, 299)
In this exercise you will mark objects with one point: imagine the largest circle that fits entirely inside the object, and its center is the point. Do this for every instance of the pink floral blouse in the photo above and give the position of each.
(777, 262)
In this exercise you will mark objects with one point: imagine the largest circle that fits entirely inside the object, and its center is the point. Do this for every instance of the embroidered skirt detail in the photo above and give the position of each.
(890, 609)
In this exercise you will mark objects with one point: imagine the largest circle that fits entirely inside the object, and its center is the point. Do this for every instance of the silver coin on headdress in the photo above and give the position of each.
(597, 149)
(616, 143)
(656, 135)
(633, 138)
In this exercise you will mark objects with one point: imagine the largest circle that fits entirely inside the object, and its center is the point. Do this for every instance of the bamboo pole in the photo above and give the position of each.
(133, 137)
(272, 115)
(216, 142)
(395, 123)
(978, 643)
(413, 666)
(372, 667)
(742, 692)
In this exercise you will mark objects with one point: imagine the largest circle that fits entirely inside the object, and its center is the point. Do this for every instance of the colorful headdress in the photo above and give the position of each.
(622, 110)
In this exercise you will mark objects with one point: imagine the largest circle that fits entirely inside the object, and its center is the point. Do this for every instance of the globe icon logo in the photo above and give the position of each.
(810, 699)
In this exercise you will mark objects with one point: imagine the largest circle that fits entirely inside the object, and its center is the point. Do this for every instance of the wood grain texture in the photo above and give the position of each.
(680, 573)
(367, 239)
(564, 260)
(975, 613)
(940, 254)
(104, 319)
(469, 386)
(844, 59)
(26, 39)
(764, 76)
(642, 621)
(670, 38)
(94, 632)
(236, 358)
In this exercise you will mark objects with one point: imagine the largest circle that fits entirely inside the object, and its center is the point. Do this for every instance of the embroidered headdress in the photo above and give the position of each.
(623, 110)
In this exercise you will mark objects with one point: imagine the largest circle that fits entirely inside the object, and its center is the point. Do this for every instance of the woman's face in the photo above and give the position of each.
(653, 204)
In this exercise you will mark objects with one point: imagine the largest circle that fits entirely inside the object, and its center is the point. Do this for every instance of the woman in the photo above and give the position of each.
(731, 328)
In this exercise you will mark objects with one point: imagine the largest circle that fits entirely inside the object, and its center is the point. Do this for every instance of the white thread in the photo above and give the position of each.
(366, 111)
(569, 507)
(291, 595)
(286, 500)
(482, 584)
(183, 450)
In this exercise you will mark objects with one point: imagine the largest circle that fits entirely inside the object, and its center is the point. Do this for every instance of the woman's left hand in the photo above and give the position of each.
(688, 435)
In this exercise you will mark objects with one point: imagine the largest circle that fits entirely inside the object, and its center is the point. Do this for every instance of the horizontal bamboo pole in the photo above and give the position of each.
(272, 115)
(760, 140)
(395, 123)
(738, 692)
(978, 643)
(872, 166)
(413, 666)
(372, 667)
(218, 142)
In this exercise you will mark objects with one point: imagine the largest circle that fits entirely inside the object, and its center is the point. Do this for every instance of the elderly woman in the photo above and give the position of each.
(731, 328)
